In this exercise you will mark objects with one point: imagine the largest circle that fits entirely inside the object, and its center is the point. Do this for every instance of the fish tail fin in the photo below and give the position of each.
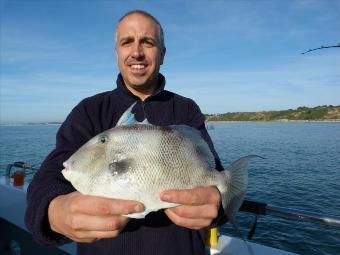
(235, 186)
(234, 189)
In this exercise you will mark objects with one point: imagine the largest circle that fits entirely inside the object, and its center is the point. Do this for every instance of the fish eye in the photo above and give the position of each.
(103, 139)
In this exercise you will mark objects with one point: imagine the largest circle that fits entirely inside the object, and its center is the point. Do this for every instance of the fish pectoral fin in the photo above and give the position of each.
(120, 166)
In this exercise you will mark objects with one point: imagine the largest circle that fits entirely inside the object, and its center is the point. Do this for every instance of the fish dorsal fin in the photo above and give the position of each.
(128, 118)
(195, 136)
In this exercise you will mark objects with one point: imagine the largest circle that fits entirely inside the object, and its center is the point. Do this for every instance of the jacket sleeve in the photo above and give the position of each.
(49, 182)
(197, 120)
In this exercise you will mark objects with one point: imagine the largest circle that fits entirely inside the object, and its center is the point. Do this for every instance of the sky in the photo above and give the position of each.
(229, 56)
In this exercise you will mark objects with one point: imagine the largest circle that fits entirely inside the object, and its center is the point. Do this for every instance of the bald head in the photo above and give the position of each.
(146, 15)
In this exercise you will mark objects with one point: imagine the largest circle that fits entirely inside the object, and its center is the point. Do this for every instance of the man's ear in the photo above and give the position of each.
(163, 51)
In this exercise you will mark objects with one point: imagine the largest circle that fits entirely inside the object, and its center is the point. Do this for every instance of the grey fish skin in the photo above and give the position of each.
(138, 162)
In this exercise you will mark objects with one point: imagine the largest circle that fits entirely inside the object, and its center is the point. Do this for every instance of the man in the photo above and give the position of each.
(57, 213)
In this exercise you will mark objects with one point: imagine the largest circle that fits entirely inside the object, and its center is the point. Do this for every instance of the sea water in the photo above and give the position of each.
(301, 170)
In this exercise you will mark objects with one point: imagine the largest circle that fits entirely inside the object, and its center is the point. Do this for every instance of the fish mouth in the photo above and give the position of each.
(66, 167)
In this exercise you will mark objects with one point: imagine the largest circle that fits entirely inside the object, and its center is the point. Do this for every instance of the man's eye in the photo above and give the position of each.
(103, 139)
(125, 43)
(149, 43)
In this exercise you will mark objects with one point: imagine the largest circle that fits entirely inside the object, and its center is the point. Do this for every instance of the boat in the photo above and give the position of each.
(16, 239)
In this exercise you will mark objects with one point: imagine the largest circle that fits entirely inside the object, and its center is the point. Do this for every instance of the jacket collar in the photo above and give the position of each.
(122, 87)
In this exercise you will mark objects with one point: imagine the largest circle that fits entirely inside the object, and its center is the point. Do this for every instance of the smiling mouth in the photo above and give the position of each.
(138, 68)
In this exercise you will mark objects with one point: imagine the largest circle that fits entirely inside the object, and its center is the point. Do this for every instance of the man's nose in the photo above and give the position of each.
(137, 51)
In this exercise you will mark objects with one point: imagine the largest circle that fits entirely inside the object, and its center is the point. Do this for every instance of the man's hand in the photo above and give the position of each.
(199, 206)
(88, 218)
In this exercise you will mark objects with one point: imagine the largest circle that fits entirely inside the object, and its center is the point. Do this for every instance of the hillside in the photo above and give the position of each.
(319, 113)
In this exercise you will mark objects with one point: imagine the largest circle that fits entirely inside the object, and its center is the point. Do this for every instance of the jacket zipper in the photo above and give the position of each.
(143, 108)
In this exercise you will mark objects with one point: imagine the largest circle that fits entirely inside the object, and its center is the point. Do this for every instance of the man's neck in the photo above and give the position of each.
(142, 94)
(143, 91)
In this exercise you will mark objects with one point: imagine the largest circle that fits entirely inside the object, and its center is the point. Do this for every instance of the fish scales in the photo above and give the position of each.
(139, 161)
(166, 155)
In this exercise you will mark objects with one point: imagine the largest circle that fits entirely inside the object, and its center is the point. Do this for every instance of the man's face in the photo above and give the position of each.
(139, 53)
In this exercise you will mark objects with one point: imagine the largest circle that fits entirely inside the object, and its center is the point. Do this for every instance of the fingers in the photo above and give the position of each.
(196, 212)
(89, 228)
(198, 207)
(84, 222)
(197, 196)
(92, 236)
(195, 224)
(88, 218)
(93, 205)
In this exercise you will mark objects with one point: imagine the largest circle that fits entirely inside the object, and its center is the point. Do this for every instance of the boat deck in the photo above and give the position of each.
(12, 210)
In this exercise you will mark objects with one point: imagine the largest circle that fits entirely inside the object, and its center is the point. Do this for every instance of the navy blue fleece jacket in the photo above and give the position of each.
(155, 234)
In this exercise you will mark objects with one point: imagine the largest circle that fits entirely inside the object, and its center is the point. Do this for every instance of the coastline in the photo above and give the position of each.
(31, 124)
(207, 122)
(272, 121)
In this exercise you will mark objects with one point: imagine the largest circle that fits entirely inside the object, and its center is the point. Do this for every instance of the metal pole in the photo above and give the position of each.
(303, 216)
(264, 209)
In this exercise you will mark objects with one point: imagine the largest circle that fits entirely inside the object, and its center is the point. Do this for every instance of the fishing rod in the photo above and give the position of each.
(260, 208)
(322, 47)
